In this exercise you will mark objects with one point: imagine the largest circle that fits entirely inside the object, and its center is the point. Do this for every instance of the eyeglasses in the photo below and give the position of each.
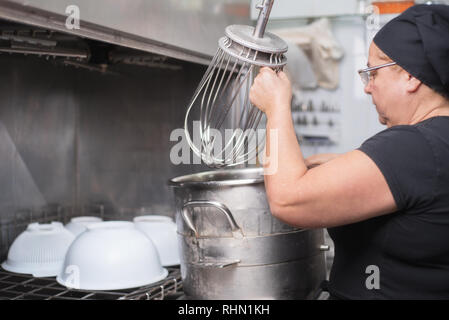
(367, 74)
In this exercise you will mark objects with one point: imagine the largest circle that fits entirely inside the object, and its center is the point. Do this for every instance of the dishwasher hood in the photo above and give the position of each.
(183, 29)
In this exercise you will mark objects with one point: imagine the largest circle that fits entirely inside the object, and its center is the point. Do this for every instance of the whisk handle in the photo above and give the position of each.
(262, 20)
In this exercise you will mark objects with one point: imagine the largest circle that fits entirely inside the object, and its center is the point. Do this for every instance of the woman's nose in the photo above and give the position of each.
(367, 88)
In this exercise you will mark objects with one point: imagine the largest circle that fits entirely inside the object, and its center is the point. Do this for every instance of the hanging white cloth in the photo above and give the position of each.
(321, 47)
(299, 68)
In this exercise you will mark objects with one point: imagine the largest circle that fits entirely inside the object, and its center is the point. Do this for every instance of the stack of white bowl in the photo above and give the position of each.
(163, 232)
(78, 225)
(97, 255)
(110, 256)
(39, 250)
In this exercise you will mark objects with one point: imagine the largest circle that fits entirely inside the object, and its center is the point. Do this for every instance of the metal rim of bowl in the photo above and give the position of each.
(191, 180)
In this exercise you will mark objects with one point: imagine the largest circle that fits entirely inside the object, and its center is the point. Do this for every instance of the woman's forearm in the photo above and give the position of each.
(284, 165)
(283, 145)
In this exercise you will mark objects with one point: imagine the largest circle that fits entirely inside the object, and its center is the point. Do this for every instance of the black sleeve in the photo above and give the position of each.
(408, 163)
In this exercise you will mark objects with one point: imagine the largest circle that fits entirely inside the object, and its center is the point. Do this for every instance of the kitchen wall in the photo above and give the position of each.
(358, 117)
(71, 139)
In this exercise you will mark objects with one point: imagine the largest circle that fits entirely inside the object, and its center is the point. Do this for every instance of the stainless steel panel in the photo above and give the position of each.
(72, 138)
(242, 191)
(300, 279)
(233, 248)
(249, 251)
(187, 30)
(37, 135)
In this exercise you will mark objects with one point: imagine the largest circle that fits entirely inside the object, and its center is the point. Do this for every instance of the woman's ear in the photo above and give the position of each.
(413, 84)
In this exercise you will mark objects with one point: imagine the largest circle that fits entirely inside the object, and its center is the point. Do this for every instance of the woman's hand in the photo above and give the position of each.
(319, 159)
(271, 91)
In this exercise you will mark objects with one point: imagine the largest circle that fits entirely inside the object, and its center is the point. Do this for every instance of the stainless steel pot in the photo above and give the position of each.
(233, 248)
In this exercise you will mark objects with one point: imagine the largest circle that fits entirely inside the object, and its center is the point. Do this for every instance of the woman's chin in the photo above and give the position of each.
(383, 120)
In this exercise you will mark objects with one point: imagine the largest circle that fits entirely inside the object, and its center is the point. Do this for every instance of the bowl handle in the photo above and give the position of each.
(236, 231)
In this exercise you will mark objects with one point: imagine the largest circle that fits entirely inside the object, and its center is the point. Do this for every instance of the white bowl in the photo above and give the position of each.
(78, 225)
(39, 250)
(162, 231)
(110, 256)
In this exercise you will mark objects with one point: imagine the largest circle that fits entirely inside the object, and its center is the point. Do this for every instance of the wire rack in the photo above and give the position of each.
(15, 286)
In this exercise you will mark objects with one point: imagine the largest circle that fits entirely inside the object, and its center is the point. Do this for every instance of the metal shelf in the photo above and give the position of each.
(15, 286)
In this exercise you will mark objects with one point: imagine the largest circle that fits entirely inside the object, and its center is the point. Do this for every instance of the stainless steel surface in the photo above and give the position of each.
(250, 251)
(227, 132)
(220, 178)
(233, 248)
(16, 38)
(26, 287)
(220, 92)
(262, 20)
(221, 208)
(271, 45)
(75, 51)
(292, 280)
(186, 30)
(72, 138)
(51, 52)
(242, 191)
(268, 51)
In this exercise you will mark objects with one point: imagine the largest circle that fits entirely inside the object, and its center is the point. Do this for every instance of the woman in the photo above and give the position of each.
(386, 204)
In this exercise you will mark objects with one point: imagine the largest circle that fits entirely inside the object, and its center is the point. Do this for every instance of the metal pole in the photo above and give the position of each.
(262, 20)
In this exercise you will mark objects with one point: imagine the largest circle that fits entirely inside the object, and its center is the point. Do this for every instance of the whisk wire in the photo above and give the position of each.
(225, 87)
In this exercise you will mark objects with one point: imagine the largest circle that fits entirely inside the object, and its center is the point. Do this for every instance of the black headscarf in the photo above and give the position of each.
(418, 41)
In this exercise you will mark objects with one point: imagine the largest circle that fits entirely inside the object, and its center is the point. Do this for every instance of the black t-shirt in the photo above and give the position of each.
(410, 247)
